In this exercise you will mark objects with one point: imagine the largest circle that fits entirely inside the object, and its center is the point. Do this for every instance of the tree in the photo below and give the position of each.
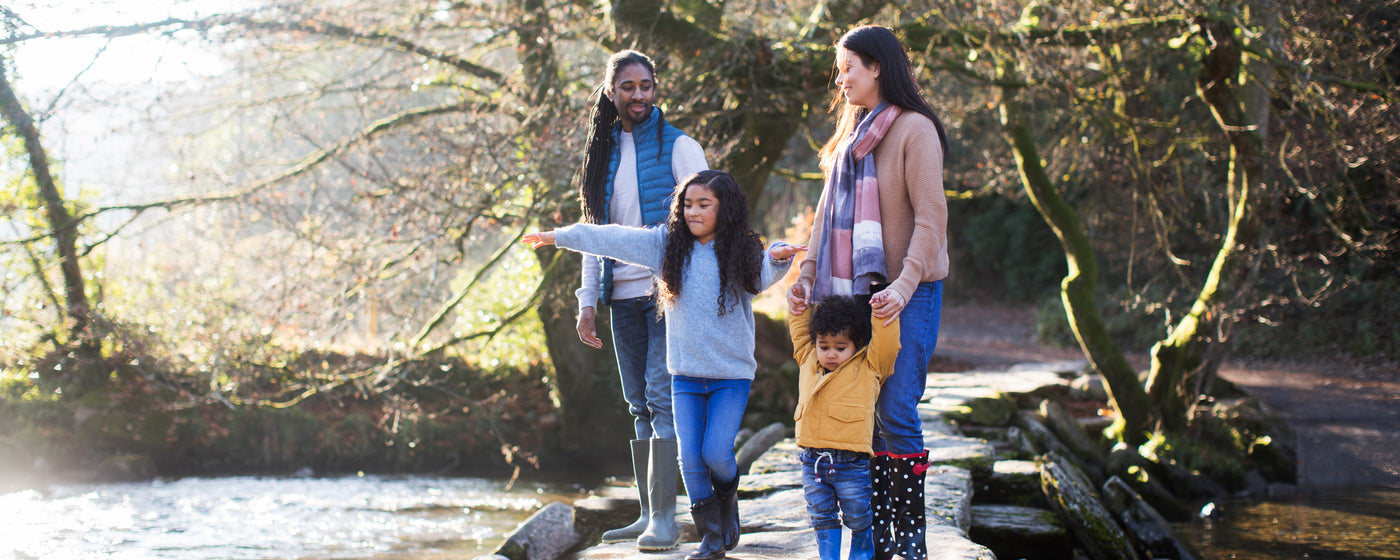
(363, 175)
(62, 227)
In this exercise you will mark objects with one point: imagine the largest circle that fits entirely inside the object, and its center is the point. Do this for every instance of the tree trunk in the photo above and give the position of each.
(1077, 290)
(775, 86)
(588, 395)
(1242, 112)
(64, 230)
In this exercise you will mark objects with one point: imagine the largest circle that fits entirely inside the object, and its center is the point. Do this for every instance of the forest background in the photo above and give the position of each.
(323, 269)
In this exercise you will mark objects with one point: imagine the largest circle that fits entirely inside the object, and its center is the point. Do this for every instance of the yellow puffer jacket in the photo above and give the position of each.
(837, 410)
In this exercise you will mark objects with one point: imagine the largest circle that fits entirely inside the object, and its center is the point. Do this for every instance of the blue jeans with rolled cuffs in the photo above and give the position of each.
(897, 426)
(708, 415)
(836, 483)
(639, 337)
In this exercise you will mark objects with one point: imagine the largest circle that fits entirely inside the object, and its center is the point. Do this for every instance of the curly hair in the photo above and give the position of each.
(842, 315)
(738, 248)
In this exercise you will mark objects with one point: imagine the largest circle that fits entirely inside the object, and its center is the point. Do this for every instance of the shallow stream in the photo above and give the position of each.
(430, 518)
(269, 518)
(1348, 522)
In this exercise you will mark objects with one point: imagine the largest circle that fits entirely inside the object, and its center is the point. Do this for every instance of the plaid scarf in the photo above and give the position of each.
(851, 255)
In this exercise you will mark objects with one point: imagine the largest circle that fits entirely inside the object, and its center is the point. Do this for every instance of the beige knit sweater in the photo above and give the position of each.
(913, 207)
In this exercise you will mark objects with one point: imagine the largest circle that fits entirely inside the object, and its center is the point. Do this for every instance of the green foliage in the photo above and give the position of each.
(1219, 463)
(1130, 328)
(433, 416)
(1362, 321)
(773, 396)
(1001, 248)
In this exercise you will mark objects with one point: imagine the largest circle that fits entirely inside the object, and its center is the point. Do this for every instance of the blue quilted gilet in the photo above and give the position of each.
(654, 181)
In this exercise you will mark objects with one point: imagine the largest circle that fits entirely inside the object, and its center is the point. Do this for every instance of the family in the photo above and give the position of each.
(670, 251)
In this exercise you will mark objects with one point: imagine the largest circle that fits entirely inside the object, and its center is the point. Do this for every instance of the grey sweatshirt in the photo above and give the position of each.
(699, 341)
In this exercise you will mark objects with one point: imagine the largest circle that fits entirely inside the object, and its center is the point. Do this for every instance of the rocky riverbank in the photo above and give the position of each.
(1017, 476)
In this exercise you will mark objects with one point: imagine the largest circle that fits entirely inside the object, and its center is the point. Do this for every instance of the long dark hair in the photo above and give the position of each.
(738, 248)
(873, 43)
(593, 176)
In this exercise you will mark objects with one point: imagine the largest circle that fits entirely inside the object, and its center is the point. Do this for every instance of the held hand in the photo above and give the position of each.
(886, 305)
(785, 251)
(797, 299)
(539, 239)
(587, 332)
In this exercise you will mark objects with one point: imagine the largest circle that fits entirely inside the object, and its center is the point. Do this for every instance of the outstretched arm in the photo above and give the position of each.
(779, 258)
(538, 239)
(644, 247)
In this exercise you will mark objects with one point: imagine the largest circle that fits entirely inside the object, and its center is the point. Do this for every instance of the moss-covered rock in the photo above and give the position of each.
(1012, 482)
(1266, 440)
(1045, 441)
(129, 467)
(1071, 432)
(1147, 526)
(980, 405)
(1020, 532)
(1080, 507)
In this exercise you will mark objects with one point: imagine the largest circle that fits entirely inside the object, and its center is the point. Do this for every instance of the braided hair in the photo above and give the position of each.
(592, 178)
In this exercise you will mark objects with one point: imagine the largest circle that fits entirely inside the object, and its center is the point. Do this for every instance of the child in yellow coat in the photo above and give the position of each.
(844, 353)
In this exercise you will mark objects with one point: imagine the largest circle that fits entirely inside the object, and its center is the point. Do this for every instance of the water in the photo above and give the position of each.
(427, 518)
(372, 517)
(1328, 523)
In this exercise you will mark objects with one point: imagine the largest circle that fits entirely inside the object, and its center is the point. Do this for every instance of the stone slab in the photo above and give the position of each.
(1014, 382)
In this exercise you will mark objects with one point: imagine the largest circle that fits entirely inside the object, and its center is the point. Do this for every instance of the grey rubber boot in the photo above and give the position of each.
(662, 533)
(641, 451)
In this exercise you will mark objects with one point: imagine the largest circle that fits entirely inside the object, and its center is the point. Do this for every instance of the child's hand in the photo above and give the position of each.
(784, 251)
(886, 305)
(797, 299)
(538, 239)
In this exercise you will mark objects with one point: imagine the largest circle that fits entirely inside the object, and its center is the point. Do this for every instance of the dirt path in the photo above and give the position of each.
(1346, 415)
(1346, 418)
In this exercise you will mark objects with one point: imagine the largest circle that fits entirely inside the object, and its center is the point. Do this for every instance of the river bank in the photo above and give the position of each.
(1346, 413)
(1333, 408)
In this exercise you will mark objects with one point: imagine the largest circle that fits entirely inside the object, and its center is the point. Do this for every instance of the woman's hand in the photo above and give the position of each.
(886, 305)
(539, 239)
(797, 298)
(587, 332)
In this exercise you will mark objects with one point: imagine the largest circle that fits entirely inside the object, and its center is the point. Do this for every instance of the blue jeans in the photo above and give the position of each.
(639, 337)
(836, 482)
(708, 414)
(897, 426)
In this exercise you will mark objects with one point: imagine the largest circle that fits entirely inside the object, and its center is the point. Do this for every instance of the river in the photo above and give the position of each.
(1342, 522)
(373, 517)
(435, 518)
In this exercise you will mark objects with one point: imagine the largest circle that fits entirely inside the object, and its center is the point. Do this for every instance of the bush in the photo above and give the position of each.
(1002, 248)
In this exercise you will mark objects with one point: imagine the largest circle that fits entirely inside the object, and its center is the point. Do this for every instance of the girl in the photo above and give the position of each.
(710, 264)
(630, 168)
(884, 169)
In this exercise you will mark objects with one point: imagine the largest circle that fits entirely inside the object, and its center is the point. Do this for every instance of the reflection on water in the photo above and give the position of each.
(268, 518)
(1329, 523)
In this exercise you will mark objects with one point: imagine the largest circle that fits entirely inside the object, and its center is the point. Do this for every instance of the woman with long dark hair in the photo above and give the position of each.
(631, 165)
(882, 229)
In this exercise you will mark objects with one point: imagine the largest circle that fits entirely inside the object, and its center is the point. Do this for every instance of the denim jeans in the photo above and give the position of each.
(639, 338)
(836, 482)
(708, 415)
(897, 426)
